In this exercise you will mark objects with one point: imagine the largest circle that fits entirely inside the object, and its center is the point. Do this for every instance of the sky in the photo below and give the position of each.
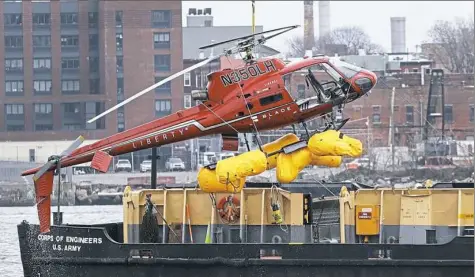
(372, 16)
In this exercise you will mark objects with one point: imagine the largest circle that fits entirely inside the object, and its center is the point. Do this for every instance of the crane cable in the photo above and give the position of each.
(253, 16)
(239, 83)
(212, 196)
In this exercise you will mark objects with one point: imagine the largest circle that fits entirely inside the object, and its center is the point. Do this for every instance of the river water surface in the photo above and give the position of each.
(10, 261)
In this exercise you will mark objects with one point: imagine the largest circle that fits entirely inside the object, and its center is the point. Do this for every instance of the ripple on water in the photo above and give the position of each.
(10, 261)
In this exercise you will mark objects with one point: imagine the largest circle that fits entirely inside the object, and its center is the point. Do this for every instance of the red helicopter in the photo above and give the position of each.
(242, 100)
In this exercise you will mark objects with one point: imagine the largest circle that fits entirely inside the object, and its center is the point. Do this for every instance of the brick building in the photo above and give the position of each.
(410, 107)
(64, 62)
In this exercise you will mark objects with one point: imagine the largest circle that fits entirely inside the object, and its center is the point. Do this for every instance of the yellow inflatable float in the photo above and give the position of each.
(323, 149)
(276, 146)
(289, 165)
(208, 182)
(334, 143)
(246, 164)
(330, 161)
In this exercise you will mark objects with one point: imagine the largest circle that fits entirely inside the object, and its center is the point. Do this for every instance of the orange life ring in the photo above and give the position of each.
(229, 209)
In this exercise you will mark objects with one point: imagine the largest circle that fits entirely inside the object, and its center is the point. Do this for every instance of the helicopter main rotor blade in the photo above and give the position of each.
(288, 28)
(72, 147)
(43, 169)
(166, 80)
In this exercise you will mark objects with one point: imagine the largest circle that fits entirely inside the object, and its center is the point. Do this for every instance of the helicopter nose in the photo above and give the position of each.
(373, 78)
(366, 81)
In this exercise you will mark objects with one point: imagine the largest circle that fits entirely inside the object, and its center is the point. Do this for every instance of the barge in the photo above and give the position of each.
(266, 231)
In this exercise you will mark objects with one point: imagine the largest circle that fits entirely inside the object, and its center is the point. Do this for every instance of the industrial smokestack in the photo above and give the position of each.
(309, 34)
(323, 18)
(398, 35)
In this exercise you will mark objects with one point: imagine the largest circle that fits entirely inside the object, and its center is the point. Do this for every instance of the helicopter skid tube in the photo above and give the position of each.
(310, 103)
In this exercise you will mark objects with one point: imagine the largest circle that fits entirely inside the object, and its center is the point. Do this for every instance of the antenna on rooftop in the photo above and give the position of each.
(253, 23)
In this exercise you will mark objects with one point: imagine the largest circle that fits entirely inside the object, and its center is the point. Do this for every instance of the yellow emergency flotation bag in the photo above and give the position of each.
(330, 161)
(209, 183)
(355, 145)
(246, 164)
(334, 143)
(276, 146)
(289, 165)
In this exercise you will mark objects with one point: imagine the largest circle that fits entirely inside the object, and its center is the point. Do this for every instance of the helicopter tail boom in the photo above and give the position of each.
(43, 190)
(176, 127)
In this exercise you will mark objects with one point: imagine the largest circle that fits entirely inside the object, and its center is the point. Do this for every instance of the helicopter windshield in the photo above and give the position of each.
(348, 70)
(329, 70)
(326, 80)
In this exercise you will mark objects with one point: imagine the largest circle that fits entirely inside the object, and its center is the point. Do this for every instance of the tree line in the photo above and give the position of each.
(451, 43)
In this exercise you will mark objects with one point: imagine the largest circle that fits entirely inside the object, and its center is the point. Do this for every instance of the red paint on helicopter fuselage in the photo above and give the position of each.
(232, 106)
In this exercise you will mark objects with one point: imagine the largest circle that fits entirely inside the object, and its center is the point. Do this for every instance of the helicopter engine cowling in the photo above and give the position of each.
(201, 95)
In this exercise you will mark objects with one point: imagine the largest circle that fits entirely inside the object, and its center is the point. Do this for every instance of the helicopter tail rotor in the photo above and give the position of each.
(55, 160)
(43, 181)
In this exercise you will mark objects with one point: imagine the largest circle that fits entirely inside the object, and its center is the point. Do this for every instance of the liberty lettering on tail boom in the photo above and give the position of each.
(241, 100)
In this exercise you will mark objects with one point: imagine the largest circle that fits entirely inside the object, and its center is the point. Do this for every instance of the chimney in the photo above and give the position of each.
(323, 18)
(398, 35)
(309, 34)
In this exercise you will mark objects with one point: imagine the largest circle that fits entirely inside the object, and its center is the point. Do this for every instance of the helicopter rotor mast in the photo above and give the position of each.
(248, 42)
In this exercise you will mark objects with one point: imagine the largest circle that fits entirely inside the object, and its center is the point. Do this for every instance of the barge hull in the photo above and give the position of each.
(74, 250)
(271, 270)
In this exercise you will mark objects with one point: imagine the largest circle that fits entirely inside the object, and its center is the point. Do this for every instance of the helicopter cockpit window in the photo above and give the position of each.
(288, 83)
(270, 99)
(330, 71)
(323, 80)
(346, 69)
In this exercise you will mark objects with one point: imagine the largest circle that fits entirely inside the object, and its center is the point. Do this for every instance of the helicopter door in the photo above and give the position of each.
(322, 94)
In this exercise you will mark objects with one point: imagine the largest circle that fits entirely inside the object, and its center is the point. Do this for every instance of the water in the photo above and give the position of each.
(10, 261)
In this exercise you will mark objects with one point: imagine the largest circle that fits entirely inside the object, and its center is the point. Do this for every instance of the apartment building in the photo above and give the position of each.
(66, 61)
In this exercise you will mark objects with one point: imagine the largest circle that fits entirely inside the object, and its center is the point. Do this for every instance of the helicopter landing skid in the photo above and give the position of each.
(331, 124)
